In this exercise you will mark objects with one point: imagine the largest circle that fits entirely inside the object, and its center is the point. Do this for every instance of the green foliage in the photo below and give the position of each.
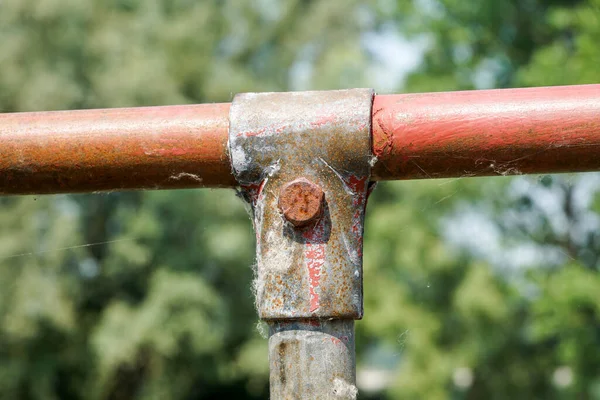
(462, 324)
(570, 59)
(147, 295)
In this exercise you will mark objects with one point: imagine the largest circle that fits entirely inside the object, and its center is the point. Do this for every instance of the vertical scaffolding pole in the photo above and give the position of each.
(303, 161)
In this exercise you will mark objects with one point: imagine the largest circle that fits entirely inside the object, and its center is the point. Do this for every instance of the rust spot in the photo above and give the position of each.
(301, 202)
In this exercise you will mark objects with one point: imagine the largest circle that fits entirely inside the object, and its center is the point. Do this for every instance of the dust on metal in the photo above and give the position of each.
(276, 138)
(487, 132)
(427, 135)
(167, 147)
(303, 161)
(301, 202)
(293, 347)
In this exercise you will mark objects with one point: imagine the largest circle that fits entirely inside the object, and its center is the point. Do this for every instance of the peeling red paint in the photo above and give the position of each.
(355, 183)
(358, 185)
(314, 254)
(251, 133)
(254, 191)
(486, 132)
(329, 119)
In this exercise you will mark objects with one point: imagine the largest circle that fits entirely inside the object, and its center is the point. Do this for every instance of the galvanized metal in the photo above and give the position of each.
(312, 360)
(303, 162)
(487, 132)
(276, 138)
(115, 149)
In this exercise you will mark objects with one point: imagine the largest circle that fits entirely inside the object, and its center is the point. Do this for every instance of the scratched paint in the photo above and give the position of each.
(487, 132)
(314, 253)
(324, 137)
(415, 136)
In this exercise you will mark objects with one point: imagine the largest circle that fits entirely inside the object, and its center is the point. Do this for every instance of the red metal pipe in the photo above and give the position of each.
(431, 135)
(487, 132)
(115, 149)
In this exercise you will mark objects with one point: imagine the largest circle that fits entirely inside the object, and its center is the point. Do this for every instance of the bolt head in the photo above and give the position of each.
(301, 202)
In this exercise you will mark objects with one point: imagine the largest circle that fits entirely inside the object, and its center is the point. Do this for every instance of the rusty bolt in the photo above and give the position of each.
(301, 202)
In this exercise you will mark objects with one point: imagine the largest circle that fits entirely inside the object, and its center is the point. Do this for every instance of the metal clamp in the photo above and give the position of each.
(303, 162)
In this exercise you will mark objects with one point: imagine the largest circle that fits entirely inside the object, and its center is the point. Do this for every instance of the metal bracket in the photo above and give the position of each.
(303, 162)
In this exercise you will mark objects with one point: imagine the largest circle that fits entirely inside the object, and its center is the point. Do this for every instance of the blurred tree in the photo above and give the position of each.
(147, 295)
(154, 300)
(485, 45)
(463, 321)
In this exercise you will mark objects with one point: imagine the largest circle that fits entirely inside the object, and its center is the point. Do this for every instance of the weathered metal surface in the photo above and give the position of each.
(276, 138)
(430, 135)
(301, 202)
(487, 132)
(312, 360)
(115, 149)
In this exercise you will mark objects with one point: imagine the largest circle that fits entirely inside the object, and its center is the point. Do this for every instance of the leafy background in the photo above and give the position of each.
(474, 288)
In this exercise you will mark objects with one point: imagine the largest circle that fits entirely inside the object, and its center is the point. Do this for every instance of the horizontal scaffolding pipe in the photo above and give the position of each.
(115, 149)
(487, 132)
(415, 136)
